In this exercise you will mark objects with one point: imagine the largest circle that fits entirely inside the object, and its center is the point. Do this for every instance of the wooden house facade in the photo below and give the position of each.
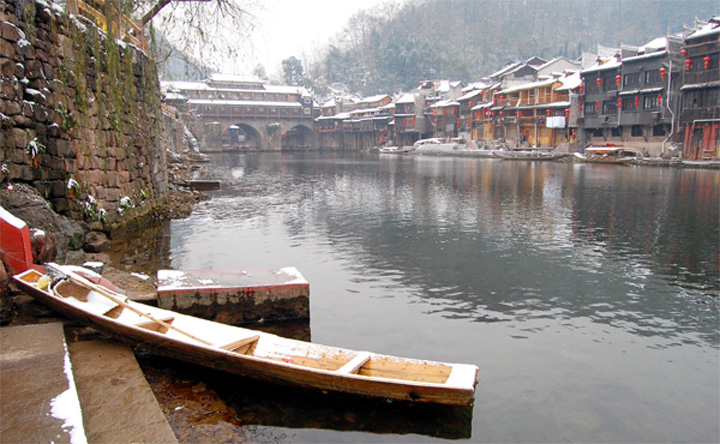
(700, 116)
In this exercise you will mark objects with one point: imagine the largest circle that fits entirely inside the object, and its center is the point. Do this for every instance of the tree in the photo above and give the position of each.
(204, 29)
(259, 72)
(293, 73)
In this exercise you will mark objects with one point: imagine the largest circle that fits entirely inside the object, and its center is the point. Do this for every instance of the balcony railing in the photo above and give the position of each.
(128, 29)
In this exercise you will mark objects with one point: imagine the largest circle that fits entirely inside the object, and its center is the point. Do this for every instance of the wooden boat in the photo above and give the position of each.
(396, 149)
(611, 155)
(529, 155)
(83, 295)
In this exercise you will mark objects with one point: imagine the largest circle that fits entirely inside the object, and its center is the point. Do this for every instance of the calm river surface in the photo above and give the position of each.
(586, 294)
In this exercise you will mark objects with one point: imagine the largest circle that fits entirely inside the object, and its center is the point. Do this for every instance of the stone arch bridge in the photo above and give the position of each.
(270, 133)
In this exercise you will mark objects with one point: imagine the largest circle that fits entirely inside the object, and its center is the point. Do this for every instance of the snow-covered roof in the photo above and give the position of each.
(188, 86)
(529, 85)
(245, 103)
(645, 56)
(475, 86)
(470, 95)
(329, 104)
(707, 28)
(174, 96)
(613, 63)
(444, 104)
(373, 99)
(226, 78)
(507, 68)
(481, 106)
(407, 98)
(657, 44)
(570, 82)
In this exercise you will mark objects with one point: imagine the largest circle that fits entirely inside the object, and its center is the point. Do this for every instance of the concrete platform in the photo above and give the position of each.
(236, 296)
(117, 402)
(91, 391)
(38, 402)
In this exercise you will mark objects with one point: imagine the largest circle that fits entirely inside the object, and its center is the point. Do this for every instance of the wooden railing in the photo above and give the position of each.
(129, 30)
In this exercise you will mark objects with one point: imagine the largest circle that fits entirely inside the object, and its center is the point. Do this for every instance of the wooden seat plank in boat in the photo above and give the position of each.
(157, 326)
(353, 365)
(242, 346)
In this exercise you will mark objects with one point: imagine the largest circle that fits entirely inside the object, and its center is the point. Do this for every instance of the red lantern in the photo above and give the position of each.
(581, 88)
(707, 62)
(683, 52)
(688, 63)
(567, 113)
(617, 80)
(581, 106)
(662, 73)
(501, 113)
(619, 103)
(659, 99)
(637, 101)
(598, 81)
(547, 113)
(519, 113)
(597, 106)
(494, 100)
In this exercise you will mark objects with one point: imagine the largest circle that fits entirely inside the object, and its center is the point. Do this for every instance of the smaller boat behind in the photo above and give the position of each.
(608, 154)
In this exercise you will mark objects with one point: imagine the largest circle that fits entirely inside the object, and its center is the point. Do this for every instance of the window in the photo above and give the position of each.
(659, 130)
(598, 132)
(590, 109)
(636, 131)
(609, 107)
(628, 103)
(652, 76)
(631, 79)
(609, 83)
(615, 131)
(650, 101)
(710, 98)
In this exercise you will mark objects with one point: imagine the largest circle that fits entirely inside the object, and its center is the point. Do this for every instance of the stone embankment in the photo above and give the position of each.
(86, 153)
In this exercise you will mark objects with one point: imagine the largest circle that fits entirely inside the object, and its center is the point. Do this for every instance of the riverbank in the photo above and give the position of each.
(457, 149)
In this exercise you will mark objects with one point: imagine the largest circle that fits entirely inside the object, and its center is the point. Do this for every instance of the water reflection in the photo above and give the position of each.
(545, 275)
(493, 240)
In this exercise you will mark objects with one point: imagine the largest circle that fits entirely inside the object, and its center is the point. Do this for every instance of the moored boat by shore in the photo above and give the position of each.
(82, 295)
(609, 154)
(530, 155)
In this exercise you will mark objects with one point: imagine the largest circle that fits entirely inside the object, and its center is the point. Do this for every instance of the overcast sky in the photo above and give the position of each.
(286, 28)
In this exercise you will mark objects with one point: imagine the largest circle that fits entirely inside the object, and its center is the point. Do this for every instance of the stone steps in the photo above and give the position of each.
(90, 391)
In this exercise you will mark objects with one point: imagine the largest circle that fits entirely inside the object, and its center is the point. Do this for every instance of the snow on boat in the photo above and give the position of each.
(82, 295)
(607, 154)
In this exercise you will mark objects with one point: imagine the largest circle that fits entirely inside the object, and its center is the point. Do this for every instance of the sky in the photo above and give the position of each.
(286, 28)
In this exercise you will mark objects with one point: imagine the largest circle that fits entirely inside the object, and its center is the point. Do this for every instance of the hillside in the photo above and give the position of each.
(394, 47)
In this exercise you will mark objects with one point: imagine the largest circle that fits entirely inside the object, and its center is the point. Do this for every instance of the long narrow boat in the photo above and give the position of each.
(82, 295)
(529, 155)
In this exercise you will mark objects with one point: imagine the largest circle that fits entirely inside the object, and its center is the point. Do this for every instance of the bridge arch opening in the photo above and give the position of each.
(241, 136)
(299, 137)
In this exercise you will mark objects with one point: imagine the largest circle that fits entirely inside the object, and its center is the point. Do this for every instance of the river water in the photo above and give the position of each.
(586, 294)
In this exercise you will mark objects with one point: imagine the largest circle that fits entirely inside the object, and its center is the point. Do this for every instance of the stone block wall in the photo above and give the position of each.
(80, 117)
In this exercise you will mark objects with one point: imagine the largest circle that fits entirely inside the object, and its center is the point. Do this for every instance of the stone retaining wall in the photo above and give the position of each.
(80, 117)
